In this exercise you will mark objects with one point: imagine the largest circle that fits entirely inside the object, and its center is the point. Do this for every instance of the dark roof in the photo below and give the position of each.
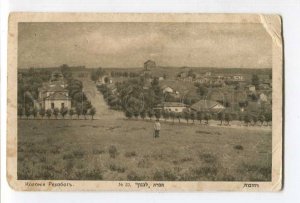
(57, 96)
(149, 61)
(206, 105)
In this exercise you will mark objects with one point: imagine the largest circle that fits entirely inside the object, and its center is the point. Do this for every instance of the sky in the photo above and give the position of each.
(131, 44)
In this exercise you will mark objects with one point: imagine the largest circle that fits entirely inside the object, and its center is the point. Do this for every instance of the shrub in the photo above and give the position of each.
(98, 151)
(95, 174)
(78, 153)
(238, 147)
(133, 176)
(164, 175)
(130, 154)
(119, 169)
(68, 156)
(112, 151)
(208, 158)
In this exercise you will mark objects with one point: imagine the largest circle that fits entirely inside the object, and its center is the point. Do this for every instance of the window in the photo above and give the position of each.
(62, 105)
(52, 105)
(176, 109)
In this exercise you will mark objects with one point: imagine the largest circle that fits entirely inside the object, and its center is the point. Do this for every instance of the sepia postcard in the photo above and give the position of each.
(144, 102)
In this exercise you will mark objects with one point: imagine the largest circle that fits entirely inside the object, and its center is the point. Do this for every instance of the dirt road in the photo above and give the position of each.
(97, 100)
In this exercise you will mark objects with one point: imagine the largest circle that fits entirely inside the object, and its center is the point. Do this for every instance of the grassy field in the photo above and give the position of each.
(125, 150)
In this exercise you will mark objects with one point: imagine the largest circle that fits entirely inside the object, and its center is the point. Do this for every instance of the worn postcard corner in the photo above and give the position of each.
(144, 102)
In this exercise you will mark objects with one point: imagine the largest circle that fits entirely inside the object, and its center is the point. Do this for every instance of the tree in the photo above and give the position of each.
(49, 113)
(34, 112)
(64, 111)
(143, 114)
(27, 112)
(150, 114)
(178, 116)
(20, 112)
(207, 117)
(157, 115)
(247, 119)
(42, 112)
(84, 111)
(172, 115)
(165, 115)
(92, 112)
(254, 119)
(261, 119)
(71, 113)
(136, 114)
(128, 114)
(221, 117)
(199, 116)
(202, 90)
(241, 118)
(78, 111)
(228, 118)
(186, 116)
(55, 112)
(255, 80)
(268, 117)
(193, 116)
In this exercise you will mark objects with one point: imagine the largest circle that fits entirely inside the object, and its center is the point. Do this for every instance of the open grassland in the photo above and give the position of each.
(121, 149)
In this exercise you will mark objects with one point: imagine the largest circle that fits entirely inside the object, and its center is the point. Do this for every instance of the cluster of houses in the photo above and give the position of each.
(208, 78)
(54, 94)
(200, 106)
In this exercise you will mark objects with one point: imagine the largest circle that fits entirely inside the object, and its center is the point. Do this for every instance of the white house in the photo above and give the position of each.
(167, 89)
(172, 106)
(251, 88)
(54, 95)
(238, 78)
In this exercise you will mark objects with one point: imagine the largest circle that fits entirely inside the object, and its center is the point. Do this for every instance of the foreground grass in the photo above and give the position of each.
(125, 150)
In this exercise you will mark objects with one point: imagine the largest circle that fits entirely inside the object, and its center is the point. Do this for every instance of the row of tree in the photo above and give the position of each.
(123, 74)
(34, 112)
(224, 118)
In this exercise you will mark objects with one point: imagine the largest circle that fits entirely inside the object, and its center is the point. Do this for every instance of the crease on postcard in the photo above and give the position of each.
(272, 24)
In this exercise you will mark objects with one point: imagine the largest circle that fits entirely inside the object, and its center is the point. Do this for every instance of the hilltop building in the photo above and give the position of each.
(148, 65)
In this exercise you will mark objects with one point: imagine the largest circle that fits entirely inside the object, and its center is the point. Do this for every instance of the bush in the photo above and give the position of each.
(130, 154)
(95, 174)
(164, 175)
(238, 147)
(78, 153)
(119, 169)
(208, 158)
(68, 156)
(133, 176)
(98, 151)
(112, 151)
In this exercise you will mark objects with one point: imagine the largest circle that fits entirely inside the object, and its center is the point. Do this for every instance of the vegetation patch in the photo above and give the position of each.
(113, 152)
(114, 167)
(208, 158)
(238, 147)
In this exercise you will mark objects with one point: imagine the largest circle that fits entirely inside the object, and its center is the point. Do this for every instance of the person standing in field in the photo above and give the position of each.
(156, 128)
